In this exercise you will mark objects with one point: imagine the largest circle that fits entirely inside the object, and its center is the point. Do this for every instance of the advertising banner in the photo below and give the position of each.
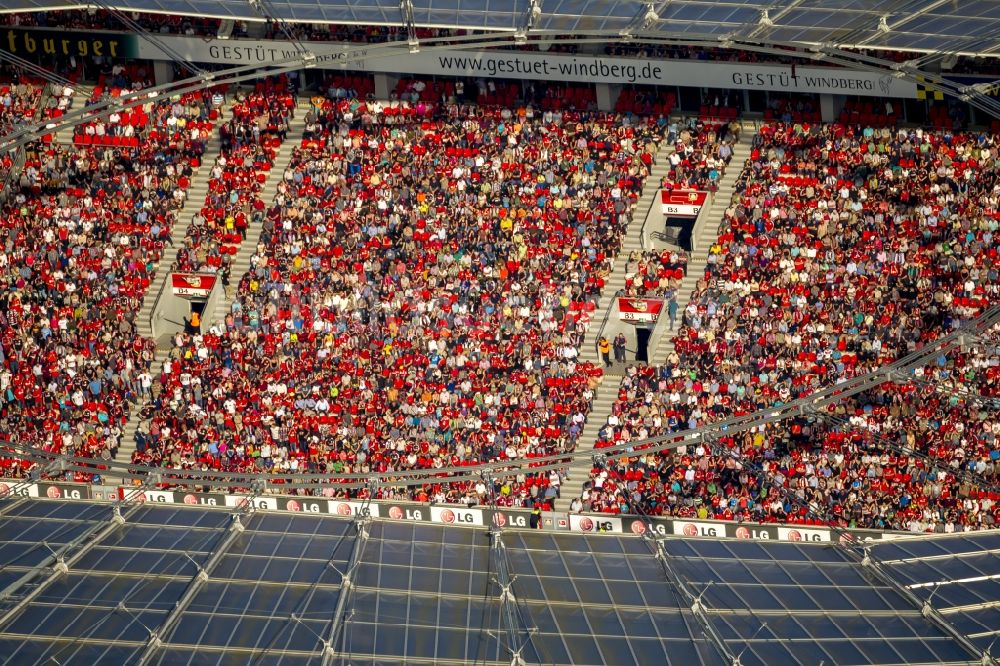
(9, 488)
(595, 523)
(154, 496)
(692, 528)
(303, 505)
(73, 491)
(538, 66)
(192, 284)
(456, 515)
(28, 42)
(350, 508)
(639, 309)
(683, 203)
(200, 499)
(803, 534)
(516, 519)
(269, 503)
(752, 531)
(408, 511)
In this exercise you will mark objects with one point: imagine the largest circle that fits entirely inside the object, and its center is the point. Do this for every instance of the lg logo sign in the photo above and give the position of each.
(796, 535)
(746, 533)
(691, 529)
(6, 490)
(515, 520)
(451, 516)
(308, 507)
(198, 499)
(398, 513)
(588, 524)
(640, 528)
(345, 509)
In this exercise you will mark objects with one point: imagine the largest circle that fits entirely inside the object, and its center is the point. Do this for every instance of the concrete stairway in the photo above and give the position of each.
(579, 469)
(81, 94)
(632, 242)
(64, 137)
(605, 394)
(195, 201)
(705, 235)
(127, 446)
(241, 262)
(196, 194)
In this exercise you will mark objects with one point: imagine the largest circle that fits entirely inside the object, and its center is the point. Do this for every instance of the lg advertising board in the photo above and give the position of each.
(461, 515)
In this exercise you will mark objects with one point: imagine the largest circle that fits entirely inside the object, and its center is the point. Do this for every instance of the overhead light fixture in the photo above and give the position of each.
(520, 37)
(309, 60)
(883, 25)
(414, 44)
(765, 18)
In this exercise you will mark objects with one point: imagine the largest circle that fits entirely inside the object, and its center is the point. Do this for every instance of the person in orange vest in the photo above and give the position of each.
(605, 348)
(195, 322)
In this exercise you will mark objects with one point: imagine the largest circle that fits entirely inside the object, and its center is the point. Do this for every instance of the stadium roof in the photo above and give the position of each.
(933, 25)
(193, 585)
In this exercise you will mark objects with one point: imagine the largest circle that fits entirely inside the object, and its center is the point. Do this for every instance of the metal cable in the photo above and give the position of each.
(148, 36)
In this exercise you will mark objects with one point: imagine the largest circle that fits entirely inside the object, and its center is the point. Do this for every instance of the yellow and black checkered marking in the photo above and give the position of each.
(926, 92)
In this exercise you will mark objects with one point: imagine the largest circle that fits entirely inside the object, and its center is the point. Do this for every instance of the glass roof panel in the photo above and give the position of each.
(181, 516)
(90, 623)
(108, 590)
(65, 652)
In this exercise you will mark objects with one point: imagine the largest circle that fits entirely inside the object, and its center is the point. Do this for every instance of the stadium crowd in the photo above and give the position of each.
(703, 151)
(426, 275)
(258, 122)
(79, 242)
(844, 249)
(654, 273)
(420, 291)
